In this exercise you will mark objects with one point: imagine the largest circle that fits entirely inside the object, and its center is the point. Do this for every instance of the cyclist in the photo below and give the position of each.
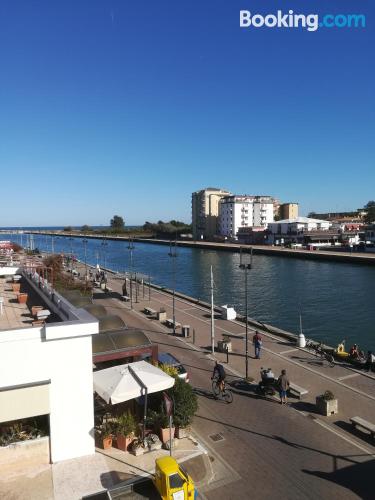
(219, 372)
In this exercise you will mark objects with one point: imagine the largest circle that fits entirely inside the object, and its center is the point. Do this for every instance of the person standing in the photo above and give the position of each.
(283, 384)
(257, 341)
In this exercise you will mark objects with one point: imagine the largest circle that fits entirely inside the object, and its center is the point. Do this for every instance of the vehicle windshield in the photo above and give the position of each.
(176, 481)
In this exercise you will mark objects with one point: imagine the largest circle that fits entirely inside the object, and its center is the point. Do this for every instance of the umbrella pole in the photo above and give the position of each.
(144, 416)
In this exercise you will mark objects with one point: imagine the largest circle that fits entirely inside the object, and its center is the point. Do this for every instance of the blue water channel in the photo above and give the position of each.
(336, 299)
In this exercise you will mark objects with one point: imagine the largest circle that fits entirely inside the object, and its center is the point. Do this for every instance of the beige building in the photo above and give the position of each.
(205, 212)
(289, 211)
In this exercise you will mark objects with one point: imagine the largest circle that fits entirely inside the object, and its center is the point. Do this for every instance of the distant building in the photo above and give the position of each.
(342, 217)
(288, 211)
(296, 230)
(244, 211)
(205, 212)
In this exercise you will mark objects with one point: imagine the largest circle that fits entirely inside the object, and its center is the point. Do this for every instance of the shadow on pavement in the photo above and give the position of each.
(356, 477)
(304, 406)
(354, 431)
(204, 392)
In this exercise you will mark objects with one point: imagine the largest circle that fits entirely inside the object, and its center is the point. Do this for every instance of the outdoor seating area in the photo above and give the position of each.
(129, 409)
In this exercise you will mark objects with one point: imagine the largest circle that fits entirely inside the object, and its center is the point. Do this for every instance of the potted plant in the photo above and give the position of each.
(106, 435)
(184, 408)
(125, 429)
(224, 345)
(160, 422)
(327, 403)
(22, 298)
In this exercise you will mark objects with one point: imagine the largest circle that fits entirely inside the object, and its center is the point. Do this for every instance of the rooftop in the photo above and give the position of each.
(300, 220)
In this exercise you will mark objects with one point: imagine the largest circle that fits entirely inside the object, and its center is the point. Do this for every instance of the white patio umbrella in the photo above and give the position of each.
(124, 382)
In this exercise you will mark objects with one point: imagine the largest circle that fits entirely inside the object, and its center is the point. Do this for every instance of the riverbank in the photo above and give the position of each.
(317, 255)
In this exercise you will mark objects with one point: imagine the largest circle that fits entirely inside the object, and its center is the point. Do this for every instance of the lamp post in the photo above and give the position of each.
(84, 241)
(246, 264)
(52, 244)
(131, 248)
(71, 254)
(104, 245)
(173, 254)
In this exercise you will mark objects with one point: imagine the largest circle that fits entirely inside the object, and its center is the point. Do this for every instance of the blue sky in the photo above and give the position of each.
(127, 106)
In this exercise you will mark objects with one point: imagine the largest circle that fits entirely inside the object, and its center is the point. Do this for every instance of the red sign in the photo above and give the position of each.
(168, 404)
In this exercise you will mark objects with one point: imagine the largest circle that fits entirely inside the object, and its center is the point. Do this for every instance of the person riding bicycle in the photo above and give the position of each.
(219, 372)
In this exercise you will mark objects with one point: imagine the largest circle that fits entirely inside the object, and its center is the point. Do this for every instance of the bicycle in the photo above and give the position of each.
(224, 394)
(320, 352)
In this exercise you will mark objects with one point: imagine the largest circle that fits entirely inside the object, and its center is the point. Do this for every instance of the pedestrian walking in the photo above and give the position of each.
(257, 341)
(283, 384)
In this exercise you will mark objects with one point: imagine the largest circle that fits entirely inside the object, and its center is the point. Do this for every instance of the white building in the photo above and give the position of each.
(47, 370)
(298, 225)
(244, 211)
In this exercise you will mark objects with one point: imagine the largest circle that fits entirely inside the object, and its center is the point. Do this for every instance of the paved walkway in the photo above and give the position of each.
(299, 446)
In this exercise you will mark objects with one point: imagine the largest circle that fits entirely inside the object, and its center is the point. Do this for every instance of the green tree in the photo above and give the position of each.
(85, 228)
(117, 223)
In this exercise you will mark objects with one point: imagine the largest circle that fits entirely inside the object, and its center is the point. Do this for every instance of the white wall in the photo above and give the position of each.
(26, 358)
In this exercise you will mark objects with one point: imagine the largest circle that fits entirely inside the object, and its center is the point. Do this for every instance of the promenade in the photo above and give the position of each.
(267, 450)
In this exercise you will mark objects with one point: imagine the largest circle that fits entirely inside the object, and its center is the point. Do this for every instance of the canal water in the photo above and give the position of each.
(336, 300)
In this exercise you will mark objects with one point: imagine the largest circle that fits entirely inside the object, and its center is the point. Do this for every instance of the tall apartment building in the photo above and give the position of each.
(244, 211)
(205, 212)
(289, 211)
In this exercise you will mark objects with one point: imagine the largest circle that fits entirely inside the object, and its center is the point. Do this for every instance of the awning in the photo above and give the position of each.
(124, 382)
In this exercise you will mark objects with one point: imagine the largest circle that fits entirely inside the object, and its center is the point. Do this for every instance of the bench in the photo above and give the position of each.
(125, 298)
(169, 323)
(231, 336)
(299, 391)
(361, 422)
(149, 311)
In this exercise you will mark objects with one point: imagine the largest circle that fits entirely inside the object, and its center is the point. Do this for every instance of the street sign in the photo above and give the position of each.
(168, 404)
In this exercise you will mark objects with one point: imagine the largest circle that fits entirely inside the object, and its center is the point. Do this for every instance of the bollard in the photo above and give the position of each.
(227, 355)
(193, 335)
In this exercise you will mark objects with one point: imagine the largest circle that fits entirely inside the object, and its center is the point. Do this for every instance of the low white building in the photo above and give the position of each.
(297, 226)
(47, 370)
(237, 211)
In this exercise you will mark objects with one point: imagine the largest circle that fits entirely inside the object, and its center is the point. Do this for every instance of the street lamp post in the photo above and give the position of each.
(131, 248)
(173, 255)
(71, 254)
(246, 264)
(104, 245)
(84, 241)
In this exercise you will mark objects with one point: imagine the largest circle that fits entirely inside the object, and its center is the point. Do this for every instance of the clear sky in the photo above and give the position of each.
(127, 106)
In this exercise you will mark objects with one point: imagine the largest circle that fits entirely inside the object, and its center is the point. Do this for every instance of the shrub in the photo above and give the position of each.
(185, 403)
(328, 396)
(126, 424)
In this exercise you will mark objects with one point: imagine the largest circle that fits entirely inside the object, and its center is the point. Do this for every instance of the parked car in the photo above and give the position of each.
(165, 358)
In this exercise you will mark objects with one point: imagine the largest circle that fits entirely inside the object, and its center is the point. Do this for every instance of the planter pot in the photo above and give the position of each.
(22, 298)
(224, 345)
(123, 442)
(16, 287)
(35, 309)
(182, 432)
(326, 407)
(165, 435)
(107, 442)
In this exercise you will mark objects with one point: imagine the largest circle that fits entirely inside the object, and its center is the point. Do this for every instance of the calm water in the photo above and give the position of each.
(336, 300)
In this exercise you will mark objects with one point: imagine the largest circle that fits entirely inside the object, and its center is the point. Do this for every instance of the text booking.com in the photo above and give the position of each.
(310, 22)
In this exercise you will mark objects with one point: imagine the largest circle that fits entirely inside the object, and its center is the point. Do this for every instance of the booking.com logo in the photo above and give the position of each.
(310, 22)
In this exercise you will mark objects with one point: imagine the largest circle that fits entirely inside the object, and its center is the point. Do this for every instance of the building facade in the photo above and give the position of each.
(47, 371)
(288, 211)
(244, 211)
(205, 212)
